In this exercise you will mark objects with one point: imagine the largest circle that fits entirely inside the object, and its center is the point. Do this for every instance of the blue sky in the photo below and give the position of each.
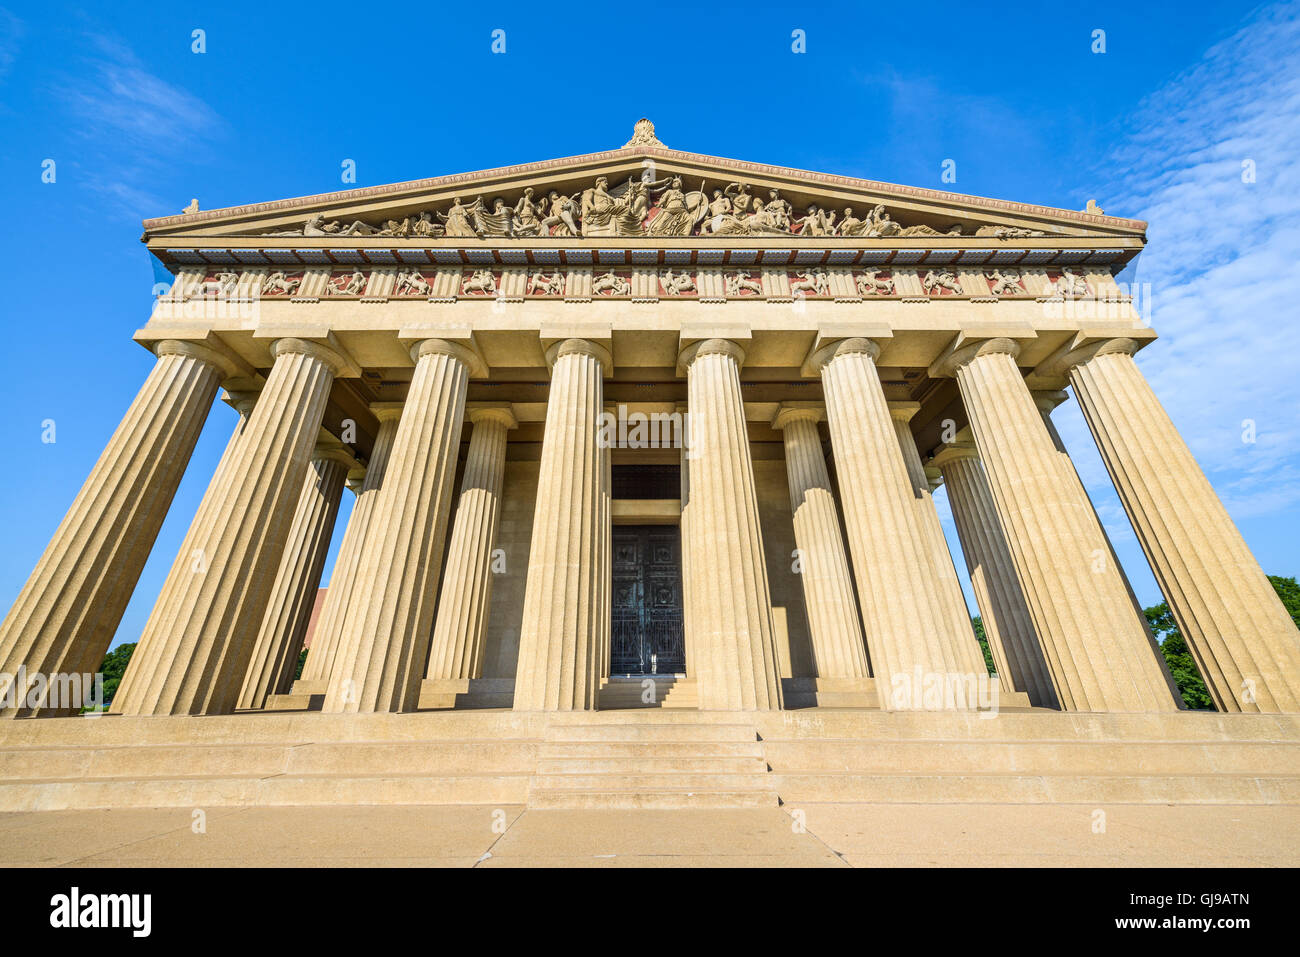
(1157, 127)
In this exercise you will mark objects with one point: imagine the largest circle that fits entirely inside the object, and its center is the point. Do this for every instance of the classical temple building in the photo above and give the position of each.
(646, 428)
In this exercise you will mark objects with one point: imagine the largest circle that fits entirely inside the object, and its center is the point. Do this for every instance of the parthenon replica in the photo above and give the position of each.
(640, 441)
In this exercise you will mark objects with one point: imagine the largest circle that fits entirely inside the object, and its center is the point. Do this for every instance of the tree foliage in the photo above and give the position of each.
(982, 638)
(114, 667)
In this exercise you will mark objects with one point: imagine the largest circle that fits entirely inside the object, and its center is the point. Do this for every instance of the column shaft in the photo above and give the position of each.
(343, 580)
(947, 587)
(1008, 625)
(731, 602)
(1095, 644)
(565, 623)
(196, 646)
(461, 624)
(288, 612)
(838, 647)
(384, 638)
(911, 635)
(1240, 634)
(68, 611)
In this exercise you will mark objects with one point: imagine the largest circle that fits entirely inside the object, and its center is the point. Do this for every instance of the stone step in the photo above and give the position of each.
(688, 764)
(1090, 789)
(295, 701)
(227, 791)
(652, 781)
(651, 732)
(645, 716)
(650, 750)
(440, 757)
(1030, 757)
(542, 799)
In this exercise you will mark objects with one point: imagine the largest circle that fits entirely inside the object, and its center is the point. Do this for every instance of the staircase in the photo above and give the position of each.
(617, 694)
(650, 759)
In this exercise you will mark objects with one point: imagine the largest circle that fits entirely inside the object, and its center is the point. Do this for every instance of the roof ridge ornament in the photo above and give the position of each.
(643, 134)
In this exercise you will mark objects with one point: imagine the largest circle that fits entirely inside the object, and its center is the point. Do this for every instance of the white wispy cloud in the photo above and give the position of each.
(1223, 263)
(134, 123)
(11, 34)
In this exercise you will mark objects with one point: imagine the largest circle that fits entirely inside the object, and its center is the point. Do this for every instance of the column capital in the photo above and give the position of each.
(953, 452)
(211, 353)
(583, 347)
(493, 413)
(789, 412)
(1048, 399)
(387, 411)
(1081, 349)
(827, 351)
(707, 347)
(333, 451)
(901, 411)
(463, 352)
(334, 359)
(962, 351)
(241, 402)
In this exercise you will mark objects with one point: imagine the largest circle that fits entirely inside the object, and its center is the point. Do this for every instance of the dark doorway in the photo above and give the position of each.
(647, 627)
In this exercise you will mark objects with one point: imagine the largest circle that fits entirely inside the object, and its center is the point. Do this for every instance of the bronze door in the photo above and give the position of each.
(647, 631)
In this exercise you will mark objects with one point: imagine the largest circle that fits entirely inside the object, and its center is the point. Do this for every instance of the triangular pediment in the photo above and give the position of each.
(643, 193)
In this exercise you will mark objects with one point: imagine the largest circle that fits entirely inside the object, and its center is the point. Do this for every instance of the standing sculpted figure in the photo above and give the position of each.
(527, 222)
(719, 207)
(456, 221)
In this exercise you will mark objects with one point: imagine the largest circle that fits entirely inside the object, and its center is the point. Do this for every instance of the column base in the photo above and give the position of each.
(466, 694)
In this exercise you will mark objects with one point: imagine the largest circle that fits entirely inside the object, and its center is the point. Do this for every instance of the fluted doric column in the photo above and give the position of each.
(688, 621)
(1008, 625)
(1240, 634)
(1100, 655)
(288, 612)
(343, 580)
(838, 647)
(384, 637)
(66, 614)
(731, 603)
(565, 626)
(458, 633)
(910, 631)
(196, 646)
(947, 587)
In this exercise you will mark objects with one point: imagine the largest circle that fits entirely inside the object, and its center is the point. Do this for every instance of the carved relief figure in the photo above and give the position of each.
(481, 282)
(539, 283)
(412, 284)
(738, 283)
(562, 217)
(679, 212)
(277, 284)
(499, 222)
(612, 284)
(345, 285)
(935, 282)
(676, 284)
(1008, 232)
(527, 222)
(815, 282)
(719, 207)
(456, 220)
(1004, 282)
(1070, 285)
(869, 285)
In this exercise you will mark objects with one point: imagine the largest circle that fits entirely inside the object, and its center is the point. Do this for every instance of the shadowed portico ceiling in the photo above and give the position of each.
(643, 204)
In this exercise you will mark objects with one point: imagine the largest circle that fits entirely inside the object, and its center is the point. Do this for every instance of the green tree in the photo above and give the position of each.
(1289, 592)
(1181, 664)
(302, 660)
(114, 667)
(982, 638)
